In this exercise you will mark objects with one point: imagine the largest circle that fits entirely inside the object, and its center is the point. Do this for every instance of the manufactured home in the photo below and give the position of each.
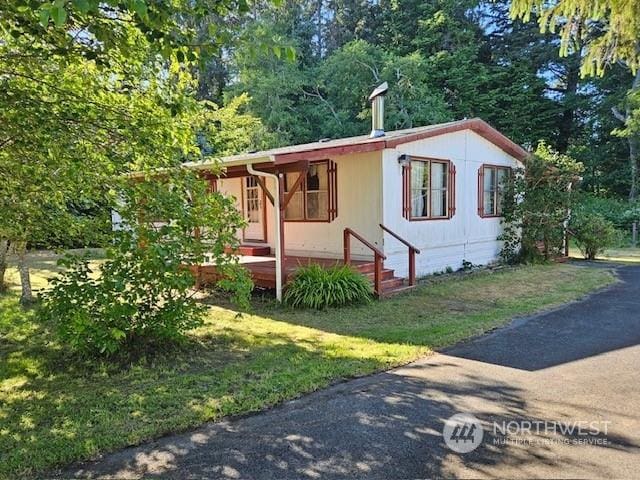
(395, 204)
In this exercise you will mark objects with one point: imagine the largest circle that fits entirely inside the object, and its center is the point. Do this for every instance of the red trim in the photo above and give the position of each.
(477, 125)
(452, 189)
(406, 189)
(481, 189)
(322, 153)
(333, 190)
(332, 195)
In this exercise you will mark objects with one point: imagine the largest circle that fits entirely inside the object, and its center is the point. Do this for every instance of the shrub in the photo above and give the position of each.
(611, 209)
(142, 293)
(317, 287)
(537, 201)
(592, 233)
(130, 302)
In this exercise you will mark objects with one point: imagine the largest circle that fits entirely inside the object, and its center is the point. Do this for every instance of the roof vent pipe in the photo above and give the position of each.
(377, 110)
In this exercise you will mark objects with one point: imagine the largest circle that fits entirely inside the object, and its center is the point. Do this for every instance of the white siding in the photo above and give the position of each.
(443, 243)
(370, 193)
(359, 207)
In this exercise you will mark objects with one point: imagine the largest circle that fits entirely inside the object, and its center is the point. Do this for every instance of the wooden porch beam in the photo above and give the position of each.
(301, 176)
(263, 186)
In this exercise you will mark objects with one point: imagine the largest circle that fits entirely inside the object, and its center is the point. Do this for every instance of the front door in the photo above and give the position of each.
(253, 206)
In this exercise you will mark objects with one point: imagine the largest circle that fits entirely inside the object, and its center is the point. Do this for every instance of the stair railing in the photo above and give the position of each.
(412, 254)
(377, 255)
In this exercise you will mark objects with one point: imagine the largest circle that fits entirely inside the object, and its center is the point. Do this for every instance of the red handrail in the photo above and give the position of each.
(377, 255)
(412, 254)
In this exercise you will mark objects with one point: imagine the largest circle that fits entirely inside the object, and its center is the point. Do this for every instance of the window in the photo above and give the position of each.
(491, 181)
(314, 199)
(428, 189)
(253, 206)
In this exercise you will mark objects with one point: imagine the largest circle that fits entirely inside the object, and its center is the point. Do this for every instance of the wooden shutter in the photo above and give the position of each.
(481, 191)
(213, 185)
(452, 189)
(333, 190)
(406, 192)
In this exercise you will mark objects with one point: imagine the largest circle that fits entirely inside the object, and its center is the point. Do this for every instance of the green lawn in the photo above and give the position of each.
(53, 411)
(622, 255)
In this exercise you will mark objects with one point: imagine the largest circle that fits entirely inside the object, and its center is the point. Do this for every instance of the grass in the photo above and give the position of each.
(53, 411)
(618, 254)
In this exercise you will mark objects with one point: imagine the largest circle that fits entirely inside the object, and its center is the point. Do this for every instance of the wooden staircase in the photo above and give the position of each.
(385, 283)
(389, 284)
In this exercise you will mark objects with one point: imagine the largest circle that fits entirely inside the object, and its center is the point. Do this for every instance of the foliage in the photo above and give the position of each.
(100, 29)
(617, 41)
(230, 129)
(316, 287)
(592, 233)
(611, 209)
(537, 203)
(143, 291)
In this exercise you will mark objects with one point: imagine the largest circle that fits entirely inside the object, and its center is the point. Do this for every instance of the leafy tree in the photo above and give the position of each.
(308, 104)
(231, 129)
(537, 204)
(618, 37)
(70, 127)
(96, 28)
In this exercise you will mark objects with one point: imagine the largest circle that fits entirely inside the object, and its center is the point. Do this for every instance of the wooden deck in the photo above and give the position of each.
(263, 268)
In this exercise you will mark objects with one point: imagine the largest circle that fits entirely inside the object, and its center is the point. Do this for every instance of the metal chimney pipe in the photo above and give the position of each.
(377, 110)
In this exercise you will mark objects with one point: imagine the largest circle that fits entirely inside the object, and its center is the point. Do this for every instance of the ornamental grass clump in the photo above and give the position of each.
(316, 287)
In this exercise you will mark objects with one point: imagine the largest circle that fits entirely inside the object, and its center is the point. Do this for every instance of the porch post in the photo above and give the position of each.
(279, 245)
(282, 205)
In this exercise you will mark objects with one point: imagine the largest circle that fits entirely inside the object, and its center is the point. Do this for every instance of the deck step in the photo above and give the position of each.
(390, 284)
(386, 274)
(394, 291)
(251, 250)
(368, 267)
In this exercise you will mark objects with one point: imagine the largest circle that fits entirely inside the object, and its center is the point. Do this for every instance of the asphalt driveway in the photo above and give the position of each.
(575, 366)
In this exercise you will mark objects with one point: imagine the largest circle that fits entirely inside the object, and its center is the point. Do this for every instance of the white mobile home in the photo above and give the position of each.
(373, 200)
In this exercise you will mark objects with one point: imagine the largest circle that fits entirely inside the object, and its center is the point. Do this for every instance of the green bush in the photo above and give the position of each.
(536, 204)
(142, 294)
(611, 209)
(136, 298)
(317, 287)
(592, 233)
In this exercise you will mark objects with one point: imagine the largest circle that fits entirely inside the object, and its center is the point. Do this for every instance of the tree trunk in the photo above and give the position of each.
(4, 253)
(633, 139)
(566, 129)
(633, 164)
(25, 276)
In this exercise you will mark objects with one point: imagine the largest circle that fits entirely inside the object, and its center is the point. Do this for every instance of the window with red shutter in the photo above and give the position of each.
(428, 189)
(316, 197)
(491, 182)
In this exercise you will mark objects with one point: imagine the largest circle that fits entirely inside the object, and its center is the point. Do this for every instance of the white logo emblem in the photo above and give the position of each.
(462, 433)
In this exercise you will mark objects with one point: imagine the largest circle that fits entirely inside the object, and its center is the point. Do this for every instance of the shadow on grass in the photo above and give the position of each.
(387, 426)
(52, 414)
(437, 316)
